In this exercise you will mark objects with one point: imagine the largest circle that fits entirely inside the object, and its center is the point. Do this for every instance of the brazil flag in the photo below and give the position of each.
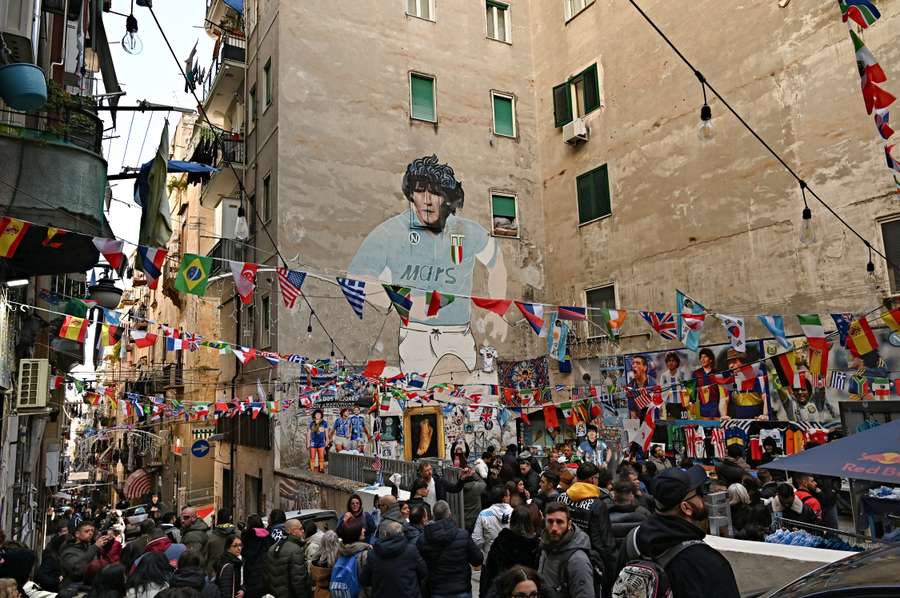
(193, 274)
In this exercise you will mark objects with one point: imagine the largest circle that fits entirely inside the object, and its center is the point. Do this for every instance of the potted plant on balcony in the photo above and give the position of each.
(22, 86)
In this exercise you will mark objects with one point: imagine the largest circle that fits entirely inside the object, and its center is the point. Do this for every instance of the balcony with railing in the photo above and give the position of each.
(228, 155)
(225, 76)
(225, 249)
(54, 175)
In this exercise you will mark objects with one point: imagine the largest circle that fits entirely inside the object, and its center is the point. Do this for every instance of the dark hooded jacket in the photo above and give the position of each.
(194, 578)
(286, 571)
(623, 518)
(698, 570)
(565, 566)
(508, 550)
(731, 470)
(215, 545)
(448, 551)
(256, 547)
(590, 512)
(195, 537)
(394, 569)
(74, 558)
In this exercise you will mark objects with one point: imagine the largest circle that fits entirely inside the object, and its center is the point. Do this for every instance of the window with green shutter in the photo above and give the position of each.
(267, 80)
(504, 115)
(504, 216)
(577, 97)
(422, 105)
(593, 195)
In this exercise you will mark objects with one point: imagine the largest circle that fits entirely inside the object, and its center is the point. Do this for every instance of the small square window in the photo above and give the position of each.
(504, 215)
(577, 97)
(599, 298)
(267, 198)
(267, 79)
(504, 114)
(421, 94)
(593, 195)
(890, 235)
(573, 7)
(498, 25)
(251, 106)
(265, 321)
(424, 9)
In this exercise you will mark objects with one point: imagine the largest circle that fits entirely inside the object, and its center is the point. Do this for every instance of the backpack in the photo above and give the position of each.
(598, 567)
(344, 578)
(644, 577)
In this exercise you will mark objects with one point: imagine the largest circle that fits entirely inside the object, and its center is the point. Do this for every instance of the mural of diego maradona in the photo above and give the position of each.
(429, 247)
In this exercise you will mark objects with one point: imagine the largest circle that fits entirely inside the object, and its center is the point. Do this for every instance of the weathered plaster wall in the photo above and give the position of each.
(719, 220)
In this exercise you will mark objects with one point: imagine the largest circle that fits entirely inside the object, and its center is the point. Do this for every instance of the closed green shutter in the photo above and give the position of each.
(562, 104)
(593, 194)
(591, 89)
(504, 205)
(422, 93)
(503, 116)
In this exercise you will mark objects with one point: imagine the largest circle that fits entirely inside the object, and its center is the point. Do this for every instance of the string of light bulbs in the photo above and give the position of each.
(705, 132)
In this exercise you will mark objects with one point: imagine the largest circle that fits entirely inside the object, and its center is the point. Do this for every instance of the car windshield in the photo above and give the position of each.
(878, 568)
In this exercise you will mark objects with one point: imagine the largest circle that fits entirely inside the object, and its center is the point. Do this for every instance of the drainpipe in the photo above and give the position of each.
(65, 39)
(235, 427)
(36, 29)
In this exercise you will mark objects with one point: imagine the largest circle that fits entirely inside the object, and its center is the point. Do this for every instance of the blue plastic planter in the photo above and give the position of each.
(22, 86)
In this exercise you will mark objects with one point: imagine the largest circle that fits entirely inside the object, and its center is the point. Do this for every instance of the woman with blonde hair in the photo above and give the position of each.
(323, 561)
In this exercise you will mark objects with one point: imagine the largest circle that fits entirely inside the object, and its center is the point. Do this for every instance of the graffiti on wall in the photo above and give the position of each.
(429, 246)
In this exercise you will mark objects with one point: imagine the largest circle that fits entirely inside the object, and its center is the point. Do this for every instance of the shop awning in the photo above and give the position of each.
(237, 5)
(872, 455)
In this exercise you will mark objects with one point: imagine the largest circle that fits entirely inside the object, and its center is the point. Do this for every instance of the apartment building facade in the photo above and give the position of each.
(573, 130)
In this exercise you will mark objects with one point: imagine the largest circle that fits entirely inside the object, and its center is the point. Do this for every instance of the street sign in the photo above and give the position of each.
(200, 448)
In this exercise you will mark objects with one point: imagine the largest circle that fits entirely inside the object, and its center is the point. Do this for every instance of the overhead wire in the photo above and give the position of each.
(243, 190)
(707, 85)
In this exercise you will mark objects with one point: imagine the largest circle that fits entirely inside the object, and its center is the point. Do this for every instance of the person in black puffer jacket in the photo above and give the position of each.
(448, 551)
(190, 574)
(256, 541)
(394, 568)
(625, 514)
(286, 570)
(516, 545)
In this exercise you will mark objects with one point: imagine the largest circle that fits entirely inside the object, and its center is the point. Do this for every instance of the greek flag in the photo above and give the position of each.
(838, 380)
(355, 292)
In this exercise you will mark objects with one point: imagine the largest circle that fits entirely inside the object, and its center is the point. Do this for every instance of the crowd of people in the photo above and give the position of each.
(575, 528)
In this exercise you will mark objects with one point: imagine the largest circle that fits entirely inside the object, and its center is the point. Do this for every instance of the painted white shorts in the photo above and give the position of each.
(422, 346)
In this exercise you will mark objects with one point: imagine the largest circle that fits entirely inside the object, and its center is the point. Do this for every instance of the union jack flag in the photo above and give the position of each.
(662, 322)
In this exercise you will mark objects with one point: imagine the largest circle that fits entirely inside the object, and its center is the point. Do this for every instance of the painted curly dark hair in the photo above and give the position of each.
(437, 178)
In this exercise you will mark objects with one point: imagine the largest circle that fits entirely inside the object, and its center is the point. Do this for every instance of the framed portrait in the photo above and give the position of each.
(423, 431)
(390, 429)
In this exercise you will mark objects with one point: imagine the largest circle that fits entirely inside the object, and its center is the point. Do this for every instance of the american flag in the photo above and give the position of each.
(662, 322)
(290, 282)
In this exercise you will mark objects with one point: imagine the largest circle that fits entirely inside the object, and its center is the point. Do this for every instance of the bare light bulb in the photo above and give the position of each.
(705, 130)
(871, 277)
(241, 228)
(309, 331)
(131, 43)
(807, 232)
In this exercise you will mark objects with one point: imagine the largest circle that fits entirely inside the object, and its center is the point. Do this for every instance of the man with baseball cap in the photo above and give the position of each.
(696, 569)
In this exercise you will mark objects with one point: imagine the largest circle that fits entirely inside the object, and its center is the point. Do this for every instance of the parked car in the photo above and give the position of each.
(874, 572)
(323, 518)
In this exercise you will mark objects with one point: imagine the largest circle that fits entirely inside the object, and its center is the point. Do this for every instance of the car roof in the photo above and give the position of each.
(876, 568)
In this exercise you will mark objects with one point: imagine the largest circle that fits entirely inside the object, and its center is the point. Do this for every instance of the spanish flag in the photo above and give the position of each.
(74, 329)
(860, 338)
(54, 237)
(12, 231)
(892, 319)
(818, 361)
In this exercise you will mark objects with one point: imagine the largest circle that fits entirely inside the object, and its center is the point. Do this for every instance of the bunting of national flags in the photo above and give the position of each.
(864, 13)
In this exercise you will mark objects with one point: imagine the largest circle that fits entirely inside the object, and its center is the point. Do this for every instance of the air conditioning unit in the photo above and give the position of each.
(16, 23)
(226, 216)
(33, 384)
(575, 131)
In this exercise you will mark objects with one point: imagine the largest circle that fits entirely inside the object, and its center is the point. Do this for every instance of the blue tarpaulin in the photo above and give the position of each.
(237, 5)
(141, 184)
(871, 455)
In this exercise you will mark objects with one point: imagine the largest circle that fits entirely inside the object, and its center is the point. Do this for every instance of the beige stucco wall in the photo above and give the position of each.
(720, 221)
